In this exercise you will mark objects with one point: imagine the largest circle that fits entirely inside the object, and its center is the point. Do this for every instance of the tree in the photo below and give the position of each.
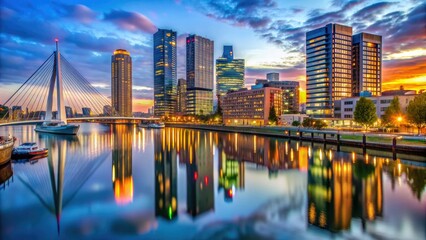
(416, 111)
(365, 112)
(392, 112)
(295, 123)
(314, 123)
(272, 115)
(308, 122)
(318, 124)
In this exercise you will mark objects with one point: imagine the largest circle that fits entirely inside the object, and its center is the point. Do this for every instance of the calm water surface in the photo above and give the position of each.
(119, 181)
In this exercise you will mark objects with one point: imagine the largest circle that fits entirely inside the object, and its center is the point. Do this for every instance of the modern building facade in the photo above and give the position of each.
(366, 64)
(229, 73)
(165, 75)
(344, 108)
(121, 83)
(273, 76)
(181, 96)
(199, 75)
(328, 68)
(251, 107)
(290, 94)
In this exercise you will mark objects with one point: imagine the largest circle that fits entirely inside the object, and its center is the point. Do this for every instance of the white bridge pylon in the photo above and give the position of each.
(55, 91)
(56, 79)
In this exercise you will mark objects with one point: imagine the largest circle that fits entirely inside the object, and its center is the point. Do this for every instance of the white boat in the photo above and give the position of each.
(6, 146)
(28, 150)
(156, 125)
(57, 128)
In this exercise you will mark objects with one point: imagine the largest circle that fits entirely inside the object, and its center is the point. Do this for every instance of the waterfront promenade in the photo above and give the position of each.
(390, 142)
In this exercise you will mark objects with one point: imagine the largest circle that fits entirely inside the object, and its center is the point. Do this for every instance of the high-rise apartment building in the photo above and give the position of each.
(199, 75)
(366, 64)
(328, 68)
(165, 75)
(181, 96)
(229, 73)
(273, 76)
(121, 83)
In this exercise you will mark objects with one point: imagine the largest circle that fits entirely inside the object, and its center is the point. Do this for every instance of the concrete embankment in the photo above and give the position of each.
(323, 136)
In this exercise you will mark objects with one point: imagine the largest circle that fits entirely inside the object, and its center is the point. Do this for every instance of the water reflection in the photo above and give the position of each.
(56, 180)
(165, 175)
(234, 186)
(122, 179)
(6, 174)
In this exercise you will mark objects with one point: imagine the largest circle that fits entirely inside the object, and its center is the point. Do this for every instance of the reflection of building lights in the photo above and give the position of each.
(123, 190)
(399, 168)
(312, 213)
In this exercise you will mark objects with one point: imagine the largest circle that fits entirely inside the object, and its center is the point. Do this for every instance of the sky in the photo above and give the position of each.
(268, 34)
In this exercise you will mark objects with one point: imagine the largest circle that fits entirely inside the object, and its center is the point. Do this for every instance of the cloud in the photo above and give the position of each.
(77, 12)
(131, 21)
(370, 12)
(240, 12)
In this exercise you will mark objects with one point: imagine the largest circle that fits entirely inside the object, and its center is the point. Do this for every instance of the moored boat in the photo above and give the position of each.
(156, 125)
(28, 150)
(6, 147)
(57, 128)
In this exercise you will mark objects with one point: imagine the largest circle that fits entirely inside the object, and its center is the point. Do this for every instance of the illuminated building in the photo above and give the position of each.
(199, 75)
(121, 83)
(273, 76)
(107, 110)
(328, 68)
(165, 73)
(366, 64)
(68, 112)
(87, 112)
(251, 107)
(165, 175)
(199, 174)
(290, 94)
(181, 96)
(229, 73)
(122, 179)
(15, 113)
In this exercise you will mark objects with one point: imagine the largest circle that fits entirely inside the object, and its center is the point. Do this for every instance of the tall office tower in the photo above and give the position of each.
(366, 64)
(165, 72)
(181, 96)
(121, 83)
(328, 68)
(199, 75)
(229, 73)
(273, 76)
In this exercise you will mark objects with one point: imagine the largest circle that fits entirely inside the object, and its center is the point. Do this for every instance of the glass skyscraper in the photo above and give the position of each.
(181, 96)
(165, 77)
(367, 64)
(229, 73)
(199, 75)
(328, 68)
(121, 83)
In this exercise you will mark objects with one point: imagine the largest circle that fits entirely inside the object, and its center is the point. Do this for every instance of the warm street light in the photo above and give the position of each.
(399, 118)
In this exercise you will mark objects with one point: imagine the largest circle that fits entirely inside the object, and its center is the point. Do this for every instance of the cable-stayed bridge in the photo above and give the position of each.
(56, 79)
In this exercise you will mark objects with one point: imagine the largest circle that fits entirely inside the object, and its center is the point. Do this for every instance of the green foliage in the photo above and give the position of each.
(314, 123)
(363, 170)
(365, 112)
(392, 112)
(416, 111)
(295, 123)
(272, 115)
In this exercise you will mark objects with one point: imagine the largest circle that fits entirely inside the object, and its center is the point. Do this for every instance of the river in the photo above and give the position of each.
(119, 181)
